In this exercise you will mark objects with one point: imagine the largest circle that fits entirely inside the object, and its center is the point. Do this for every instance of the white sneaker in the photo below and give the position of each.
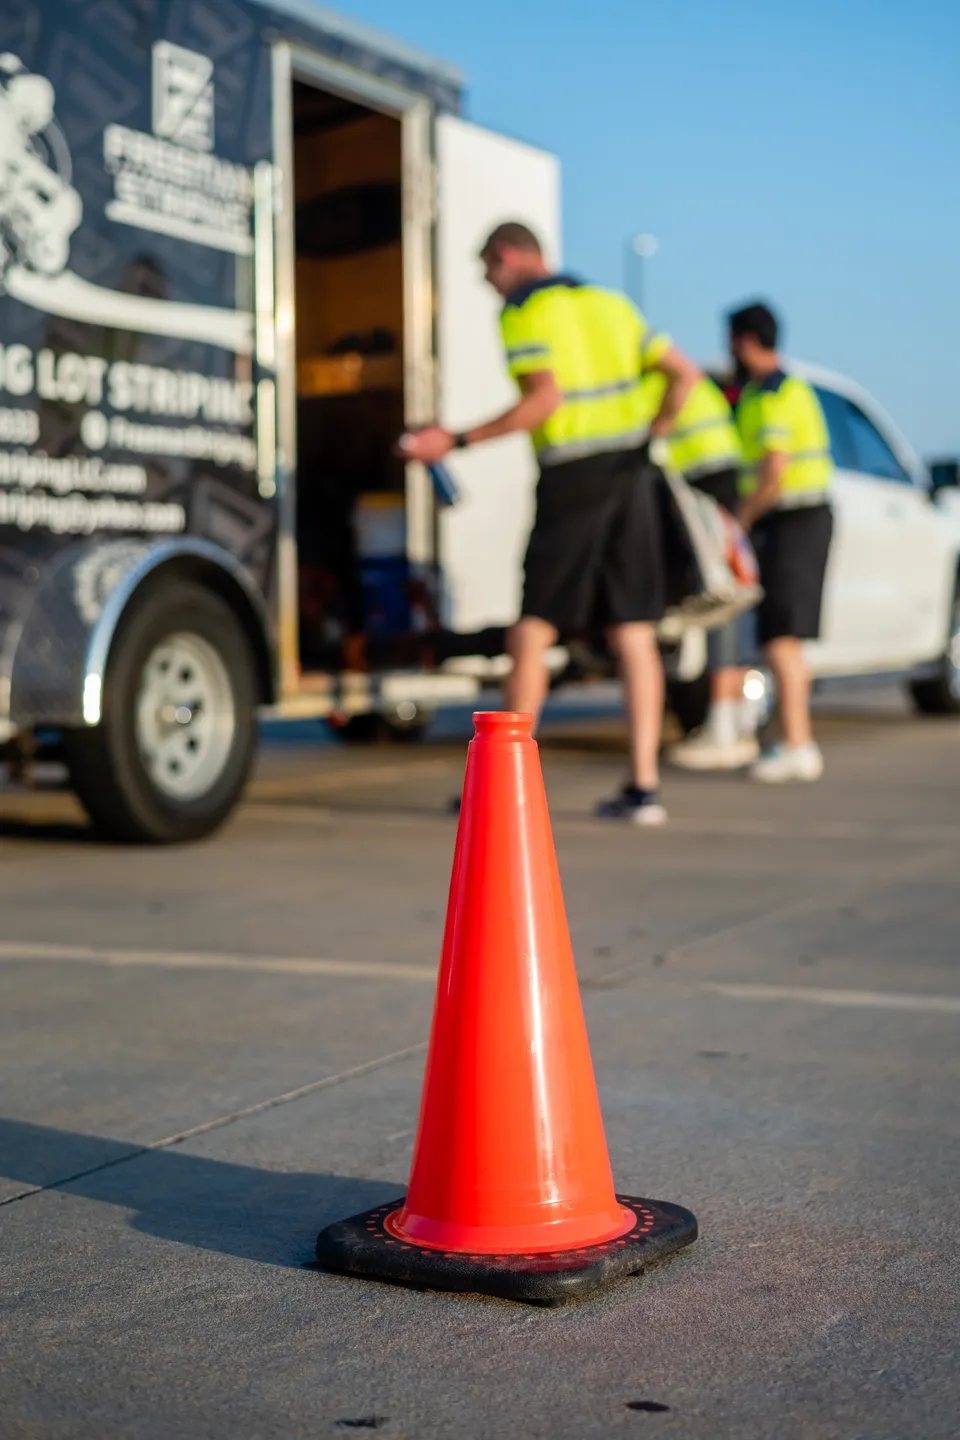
(788, 762)
(704, 751)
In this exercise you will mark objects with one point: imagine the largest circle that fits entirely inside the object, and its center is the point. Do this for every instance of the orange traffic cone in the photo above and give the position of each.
(511, 1191)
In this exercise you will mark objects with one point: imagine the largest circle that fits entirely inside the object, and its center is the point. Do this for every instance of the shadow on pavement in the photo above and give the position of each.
(49, 832)
(262, 1215)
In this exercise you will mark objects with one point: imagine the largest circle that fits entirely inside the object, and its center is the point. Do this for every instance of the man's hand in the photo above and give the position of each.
(764, 498)
(539, 397)
(426, 445)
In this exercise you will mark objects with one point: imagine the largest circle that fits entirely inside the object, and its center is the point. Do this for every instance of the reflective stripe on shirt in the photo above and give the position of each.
(796, 455)
(522, 352)
(698, 427)
(802, 499)
(598, 392)
(583, 449)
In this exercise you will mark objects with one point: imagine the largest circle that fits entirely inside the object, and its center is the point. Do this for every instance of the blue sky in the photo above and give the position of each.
(806, 153)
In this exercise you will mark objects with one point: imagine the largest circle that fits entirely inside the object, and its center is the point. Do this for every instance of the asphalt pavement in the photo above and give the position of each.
(209, 1052)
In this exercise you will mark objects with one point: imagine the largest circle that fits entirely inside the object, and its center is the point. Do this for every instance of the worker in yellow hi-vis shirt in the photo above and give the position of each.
(578, 354)
(785, 506)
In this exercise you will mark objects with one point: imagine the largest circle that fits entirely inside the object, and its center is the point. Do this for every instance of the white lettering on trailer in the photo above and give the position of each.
(65, 473)
(126, 151)
(19, 427)
(77, 515)
(70, 377)
(145, 389)
(222, 447)
(152, 390)
(165, 188)
(16, 369)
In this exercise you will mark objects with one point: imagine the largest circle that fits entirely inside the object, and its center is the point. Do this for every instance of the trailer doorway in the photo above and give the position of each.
(358, 599)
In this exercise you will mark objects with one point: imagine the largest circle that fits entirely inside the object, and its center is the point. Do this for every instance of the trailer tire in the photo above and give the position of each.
(173, 749)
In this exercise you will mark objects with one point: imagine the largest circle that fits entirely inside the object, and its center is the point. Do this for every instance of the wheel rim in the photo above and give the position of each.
(185, 717)
(953, 652)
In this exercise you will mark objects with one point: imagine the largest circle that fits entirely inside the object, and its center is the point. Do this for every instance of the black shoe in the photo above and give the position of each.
(640, 807)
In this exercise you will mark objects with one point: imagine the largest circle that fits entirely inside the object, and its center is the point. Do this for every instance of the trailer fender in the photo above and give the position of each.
(56, 651)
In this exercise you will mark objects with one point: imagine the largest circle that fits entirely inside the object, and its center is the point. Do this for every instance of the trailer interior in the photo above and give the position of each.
(359, 604)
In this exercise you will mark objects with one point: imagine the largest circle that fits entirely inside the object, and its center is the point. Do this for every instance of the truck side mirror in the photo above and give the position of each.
(944, 475)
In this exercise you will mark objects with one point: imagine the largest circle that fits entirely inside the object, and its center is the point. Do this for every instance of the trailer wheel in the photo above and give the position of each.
(172, 752)
(940, 694)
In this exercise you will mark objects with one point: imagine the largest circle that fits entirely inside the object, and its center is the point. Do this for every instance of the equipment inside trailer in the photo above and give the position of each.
(355, 591)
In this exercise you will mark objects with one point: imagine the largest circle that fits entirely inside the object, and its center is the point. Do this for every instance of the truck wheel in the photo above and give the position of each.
(172, 752)
(940, 694)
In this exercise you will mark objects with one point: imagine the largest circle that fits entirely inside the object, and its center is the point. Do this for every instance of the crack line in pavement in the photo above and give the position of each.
(327, 1083)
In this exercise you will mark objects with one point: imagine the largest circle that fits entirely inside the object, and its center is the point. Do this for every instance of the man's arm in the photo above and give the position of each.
(540, 396)
(681, 375)
(774, 438)
(764, 498)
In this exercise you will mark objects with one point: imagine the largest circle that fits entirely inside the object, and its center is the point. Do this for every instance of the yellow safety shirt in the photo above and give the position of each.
(703, 438)
(781, 413)
(596, 344)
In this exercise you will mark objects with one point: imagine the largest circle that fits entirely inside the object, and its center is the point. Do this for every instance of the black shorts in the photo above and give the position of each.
(792, 548)
(721, 484)
(595, 553)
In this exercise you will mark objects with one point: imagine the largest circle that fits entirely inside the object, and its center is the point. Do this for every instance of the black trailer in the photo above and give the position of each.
(226, 285)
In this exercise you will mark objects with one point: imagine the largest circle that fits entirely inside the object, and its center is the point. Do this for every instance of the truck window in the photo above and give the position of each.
(834, 409)
(873, 454)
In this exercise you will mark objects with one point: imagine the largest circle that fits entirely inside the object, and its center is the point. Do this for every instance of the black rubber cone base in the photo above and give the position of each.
(363, 1246)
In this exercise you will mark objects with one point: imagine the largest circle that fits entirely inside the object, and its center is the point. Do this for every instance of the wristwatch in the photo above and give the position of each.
(461, 441)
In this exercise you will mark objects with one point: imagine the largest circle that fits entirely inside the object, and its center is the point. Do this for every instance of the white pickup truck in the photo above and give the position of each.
(892, 591)
(892, 597)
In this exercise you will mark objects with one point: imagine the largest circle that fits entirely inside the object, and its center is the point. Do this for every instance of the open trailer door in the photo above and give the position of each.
(484, 179)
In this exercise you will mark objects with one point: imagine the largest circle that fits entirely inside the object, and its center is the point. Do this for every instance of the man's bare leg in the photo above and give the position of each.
(528, 682)
(641, 670)
(797, 758)
(726, 684)
(789, 666)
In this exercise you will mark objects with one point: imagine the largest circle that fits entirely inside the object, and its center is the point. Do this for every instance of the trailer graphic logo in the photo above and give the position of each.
(39, 208)
(170, 182)
(182, 96)
(176, 189)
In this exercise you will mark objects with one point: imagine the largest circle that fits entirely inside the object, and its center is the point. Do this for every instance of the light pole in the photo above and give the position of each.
(638, 248)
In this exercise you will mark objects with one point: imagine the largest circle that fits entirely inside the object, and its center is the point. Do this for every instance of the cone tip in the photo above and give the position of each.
(503, 724)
